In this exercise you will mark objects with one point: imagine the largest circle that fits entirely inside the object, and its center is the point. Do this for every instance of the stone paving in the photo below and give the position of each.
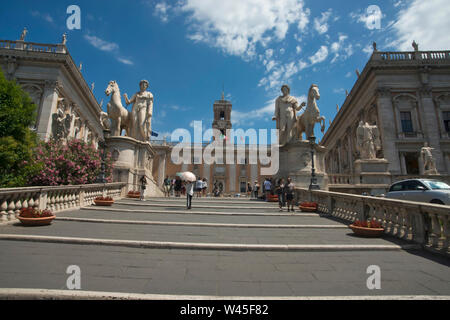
(192, 271)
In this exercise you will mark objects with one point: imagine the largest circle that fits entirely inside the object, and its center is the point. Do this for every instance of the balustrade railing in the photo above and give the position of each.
(425, 56)
(56, 199)
(32, 46)
(423, 223)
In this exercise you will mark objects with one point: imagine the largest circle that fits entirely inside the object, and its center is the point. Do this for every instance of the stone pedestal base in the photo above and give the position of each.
(295, 163)
(374, 174)
(133, 159)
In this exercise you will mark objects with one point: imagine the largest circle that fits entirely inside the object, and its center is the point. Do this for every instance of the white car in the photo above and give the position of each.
(421, 190)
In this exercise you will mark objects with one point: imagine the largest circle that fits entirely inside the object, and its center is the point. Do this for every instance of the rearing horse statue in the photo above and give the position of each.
(120, 117)
(306, 122)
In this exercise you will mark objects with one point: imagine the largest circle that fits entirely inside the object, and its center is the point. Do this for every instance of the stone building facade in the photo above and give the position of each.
(407, 96)
(231, 178)
(66, 106)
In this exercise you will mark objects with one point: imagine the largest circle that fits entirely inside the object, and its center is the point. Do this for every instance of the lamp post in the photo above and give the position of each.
(313, 185)
(102, 145)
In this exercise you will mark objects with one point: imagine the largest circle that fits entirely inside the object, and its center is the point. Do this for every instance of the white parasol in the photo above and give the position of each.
(187, 176)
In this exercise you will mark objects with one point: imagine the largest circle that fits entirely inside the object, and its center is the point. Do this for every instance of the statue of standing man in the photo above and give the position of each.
(367, 141)
(286, 108)
(141, 113)
(429, 166)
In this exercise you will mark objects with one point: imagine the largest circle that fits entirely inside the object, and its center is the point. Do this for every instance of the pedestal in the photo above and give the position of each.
(295, 163)
(133, 159)
(374, 174)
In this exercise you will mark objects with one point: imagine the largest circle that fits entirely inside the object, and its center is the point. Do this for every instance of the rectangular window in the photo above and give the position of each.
(407, 125)
(446, 115)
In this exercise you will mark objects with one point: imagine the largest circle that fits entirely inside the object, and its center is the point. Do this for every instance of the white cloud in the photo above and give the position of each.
(44, 16)
(298, 49)
(238, 26)
(125, 61)
(340, 49)
(101, 44)
(426, 22)
(320, 55)
(162, 11)
(321, 24)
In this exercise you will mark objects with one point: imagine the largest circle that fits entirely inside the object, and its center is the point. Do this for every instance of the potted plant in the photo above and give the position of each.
(308, 206)
(104, 201)
(34, 217)
(272, 198)
(134, 194)
(371, 229)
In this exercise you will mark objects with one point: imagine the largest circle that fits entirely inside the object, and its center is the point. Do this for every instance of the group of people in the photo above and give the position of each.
(284, 190)
(177, 187)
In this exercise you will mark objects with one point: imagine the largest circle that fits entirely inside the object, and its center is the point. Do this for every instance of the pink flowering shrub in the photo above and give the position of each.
(71, 163)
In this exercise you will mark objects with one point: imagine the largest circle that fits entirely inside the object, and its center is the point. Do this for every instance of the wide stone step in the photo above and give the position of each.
(303, 219)
(195, 234)
(119, 207)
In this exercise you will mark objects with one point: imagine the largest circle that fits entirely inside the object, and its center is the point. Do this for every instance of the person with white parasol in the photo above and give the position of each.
(190, 178)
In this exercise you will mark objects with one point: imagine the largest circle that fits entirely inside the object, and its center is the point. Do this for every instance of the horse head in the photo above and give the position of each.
(112, 86)
(314, 92)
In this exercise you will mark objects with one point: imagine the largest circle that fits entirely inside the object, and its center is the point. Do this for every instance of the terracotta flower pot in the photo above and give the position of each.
(367, 232)
(36, 221)
(272, 198)
(308, 206)
(104, 203)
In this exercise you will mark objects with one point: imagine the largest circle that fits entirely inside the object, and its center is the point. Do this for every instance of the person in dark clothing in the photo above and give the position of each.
(143, 181)
(281, 191)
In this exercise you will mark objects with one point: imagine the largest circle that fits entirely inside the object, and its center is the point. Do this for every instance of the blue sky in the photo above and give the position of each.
(190, 49)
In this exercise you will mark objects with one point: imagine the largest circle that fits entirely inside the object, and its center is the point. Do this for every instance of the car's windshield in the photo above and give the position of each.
(438, 185)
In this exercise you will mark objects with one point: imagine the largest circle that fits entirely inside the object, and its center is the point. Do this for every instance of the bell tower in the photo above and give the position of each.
(222, 115)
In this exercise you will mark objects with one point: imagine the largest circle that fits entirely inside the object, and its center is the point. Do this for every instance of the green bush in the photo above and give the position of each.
(17, 140)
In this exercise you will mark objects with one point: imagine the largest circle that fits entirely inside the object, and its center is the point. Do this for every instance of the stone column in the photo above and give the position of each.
(431, 127)
(387, 127)
(403, 163)
(232, 178)
(49, 105)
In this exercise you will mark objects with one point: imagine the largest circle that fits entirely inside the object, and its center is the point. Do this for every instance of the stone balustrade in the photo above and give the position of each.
(424, 56)
(32, 46)
(335, 178)
(423, 223)
(56, 199)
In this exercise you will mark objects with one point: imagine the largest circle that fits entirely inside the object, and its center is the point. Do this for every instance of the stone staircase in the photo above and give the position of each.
(222, 247)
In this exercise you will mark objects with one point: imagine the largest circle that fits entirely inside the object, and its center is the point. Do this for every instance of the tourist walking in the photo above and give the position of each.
(290, 188)
(256, 189)
(199, 187)
(281, 190)
(167, 187)
(267, 188)
(143, 181)
(249, 190)
(189, 194)
(177, 187)
(205, 186)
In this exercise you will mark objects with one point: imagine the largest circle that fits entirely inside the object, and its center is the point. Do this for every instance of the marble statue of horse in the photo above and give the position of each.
(311, 116)
(120, 117)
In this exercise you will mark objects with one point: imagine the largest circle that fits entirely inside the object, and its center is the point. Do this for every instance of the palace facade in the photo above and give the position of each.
(407, 96)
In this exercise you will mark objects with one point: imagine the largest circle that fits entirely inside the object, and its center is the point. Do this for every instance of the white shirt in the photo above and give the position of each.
(190, 189)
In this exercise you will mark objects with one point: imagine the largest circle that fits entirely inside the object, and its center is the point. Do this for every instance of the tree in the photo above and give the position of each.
(17, 140)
